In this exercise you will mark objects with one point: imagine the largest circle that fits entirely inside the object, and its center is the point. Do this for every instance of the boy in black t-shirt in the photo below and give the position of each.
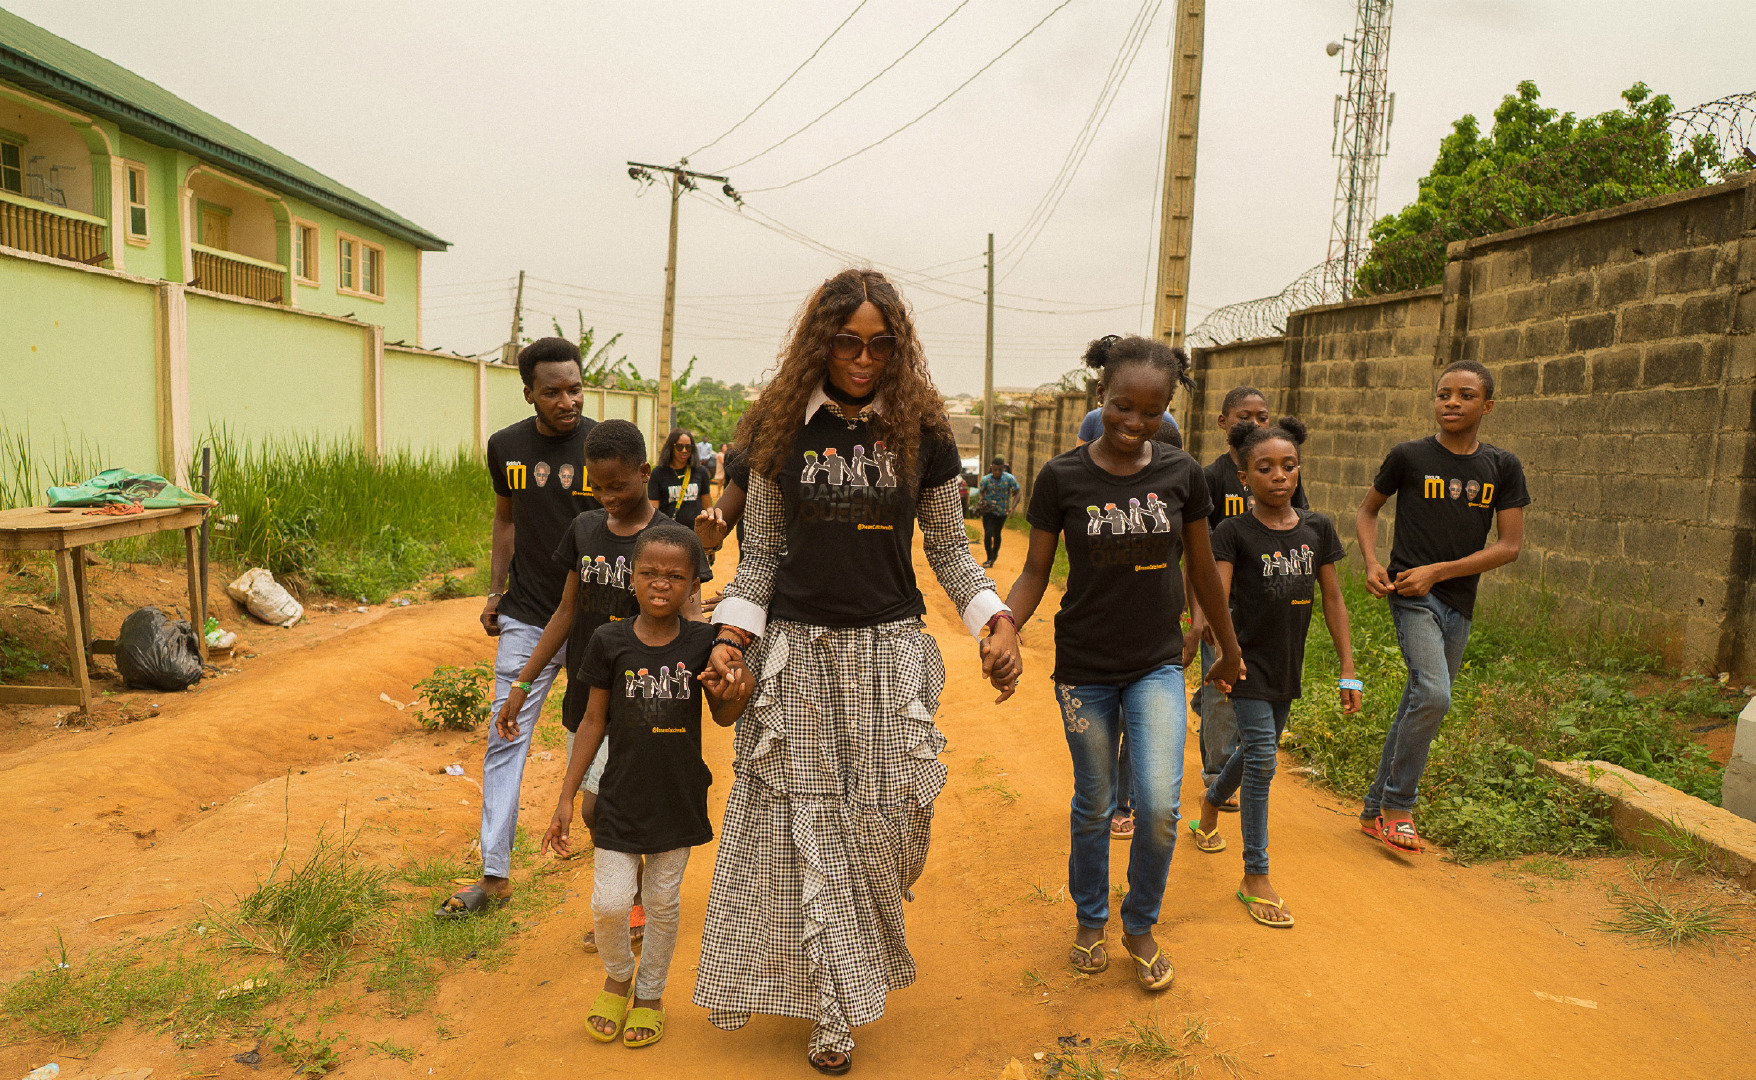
(538, 469)
(643, 674)
(596, 554)
(1450, 489)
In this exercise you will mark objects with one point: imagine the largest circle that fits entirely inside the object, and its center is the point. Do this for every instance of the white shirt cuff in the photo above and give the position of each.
(975, 616)
(742, 614)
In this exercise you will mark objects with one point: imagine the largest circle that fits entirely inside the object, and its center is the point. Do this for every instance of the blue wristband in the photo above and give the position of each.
(1351, 684)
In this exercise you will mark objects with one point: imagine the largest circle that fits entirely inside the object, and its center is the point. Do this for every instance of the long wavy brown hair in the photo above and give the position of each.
(913, 407)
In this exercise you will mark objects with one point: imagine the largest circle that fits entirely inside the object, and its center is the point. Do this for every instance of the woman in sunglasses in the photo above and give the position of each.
(680, 485)
(827, 822)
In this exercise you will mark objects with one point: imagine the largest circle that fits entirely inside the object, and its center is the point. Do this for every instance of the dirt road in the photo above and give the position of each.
(1397, 968)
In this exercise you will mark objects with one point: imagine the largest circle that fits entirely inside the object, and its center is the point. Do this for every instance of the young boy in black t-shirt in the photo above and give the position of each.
(1450, 488)
(643, 673)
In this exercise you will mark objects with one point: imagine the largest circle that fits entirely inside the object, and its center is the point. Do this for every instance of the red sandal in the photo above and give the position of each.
(1369, 826)
(1403, 828)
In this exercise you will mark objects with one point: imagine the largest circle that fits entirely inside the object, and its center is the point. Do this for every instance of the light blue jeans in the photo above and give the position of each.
(503, 762)
(1151, 711)
(1432, 637)
(1219, 728)
(1251, 769)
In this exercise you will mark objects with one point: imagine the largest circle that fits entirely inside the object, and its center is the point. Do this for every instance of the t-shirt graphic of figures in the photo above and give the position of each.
(604, 562)
(1120, 616)
(1445, 505)
(1230, 496)
(846, 504)
(545, 478)
(1274, 586)
(653, 796)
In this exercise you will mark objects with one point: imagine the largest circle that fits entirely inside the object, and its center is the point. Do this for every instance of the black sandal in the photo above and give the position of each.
(475, 901)
(847, 1062)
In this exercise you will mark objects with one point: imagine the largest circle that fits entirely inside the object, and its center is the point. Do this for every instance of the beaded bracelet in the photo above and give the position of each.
(1351, 684)
(731, 643)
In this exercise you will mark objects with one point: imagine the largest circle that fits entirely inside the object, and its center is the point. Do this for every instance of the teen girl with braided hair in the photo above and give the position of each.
(1134, 513)
(827, 822)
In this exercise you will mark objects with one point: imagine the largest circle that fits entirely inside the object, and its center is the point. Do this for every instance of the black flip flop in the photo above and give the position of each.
(475, 902)
(847, 1062)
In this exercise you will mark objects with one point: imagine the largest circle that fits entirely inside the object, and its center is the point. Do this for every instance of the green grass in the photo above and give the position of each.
(1525, 691)
(1653, 918)
(328, 515)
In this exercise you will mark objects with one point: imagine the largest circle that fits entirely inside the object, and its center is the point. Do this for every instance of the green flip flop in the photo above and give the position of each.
(1278, 905)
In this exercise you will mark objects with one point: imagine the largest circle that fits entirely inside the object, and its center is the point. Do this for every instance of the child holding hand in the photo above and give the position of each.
(652, 801)
(1270, 558)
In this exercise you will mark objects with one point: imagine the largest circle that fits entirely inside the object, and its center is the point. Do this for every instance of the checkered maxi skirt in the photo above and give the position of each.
(826, 828)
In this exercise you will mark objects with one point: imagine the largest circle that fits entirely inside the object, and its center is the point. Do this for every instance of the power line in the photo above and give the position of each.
(930, 110)
(783, 82)
(922, 40)
(1131, 47)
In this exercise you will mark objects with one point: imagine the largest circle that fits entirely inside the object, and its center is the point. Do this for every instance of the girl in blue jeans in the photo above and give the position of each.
(1270, 558)
(1133, 511)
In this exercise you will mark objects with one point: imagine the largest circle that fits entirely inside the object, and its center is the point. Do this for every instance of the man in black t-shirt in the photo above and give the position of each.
(1450, 489)
(538, 470)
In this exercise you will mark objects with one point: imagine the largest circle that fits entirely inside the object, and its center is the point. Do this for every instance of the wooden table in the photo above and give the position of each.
(37, 528)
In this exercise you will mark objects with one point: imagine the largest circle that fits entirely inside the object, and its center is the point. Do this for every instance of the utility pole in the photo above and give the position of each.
(509, 355)
(988, 371)
(1171, 305)
(680, 180)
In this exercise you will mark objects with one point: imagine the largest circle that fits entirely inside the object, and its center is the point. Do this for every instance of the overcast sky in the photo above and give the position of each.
(504, 128)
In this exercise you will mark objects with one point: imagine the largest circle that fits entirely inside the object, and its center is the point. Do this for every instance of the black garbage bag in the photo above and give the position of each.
(156, 653)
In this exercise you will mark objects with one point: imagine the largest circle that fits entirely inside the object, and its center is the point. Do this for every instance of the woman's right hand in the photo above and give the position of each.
(506, 724)
(711, 528)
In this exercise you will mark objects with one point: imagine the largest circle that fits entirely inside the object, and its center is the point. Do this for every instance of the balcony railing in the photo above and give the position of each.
(238, 275)
(50, 230)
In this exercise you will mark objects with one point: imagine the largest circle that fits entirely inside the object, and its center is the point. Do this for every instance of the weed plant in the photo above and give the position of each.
(1525, 691)
(316, 914)
(456, 698)
(329, 515)
(1654, 918)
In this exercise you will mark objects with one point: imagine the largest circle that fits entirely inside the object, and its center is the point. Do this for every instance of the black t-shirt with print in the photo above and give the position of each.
(850, 524)
(1230, 497)
(545, 479)
(1121, 616)
(653, 796)
(605, 563)
(1274, 586)
(1445, 505)
(677, 496)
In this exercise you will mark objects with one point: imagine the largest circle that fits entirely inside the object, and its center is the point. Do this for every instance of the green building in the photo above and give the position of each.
(101, 166)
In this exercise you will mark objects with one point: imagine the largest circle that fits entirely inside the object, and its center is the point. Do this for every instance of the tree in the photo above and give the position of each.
(1535, 164)
(709, 408)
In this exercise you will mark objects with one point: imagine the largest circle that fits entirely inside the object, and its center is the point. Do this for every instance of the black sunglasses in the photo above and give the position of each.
(849, 346)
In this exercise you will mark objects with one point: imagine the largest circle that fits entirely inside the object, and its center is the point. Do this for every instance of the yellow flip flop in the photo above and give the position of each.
(1145, 972)
(652, 1020)
(611, 1007)
(1201, 838)
(1099, 966)
(1278, 905)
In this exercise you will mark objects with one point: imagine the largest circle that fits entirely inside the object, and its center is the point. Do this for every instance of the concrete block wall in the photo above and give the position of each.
(1623, 344)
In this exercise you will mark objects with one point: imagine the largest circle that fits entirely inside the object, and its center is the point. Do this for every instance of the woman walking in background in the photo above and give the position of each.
(827, 823)
(681, 485)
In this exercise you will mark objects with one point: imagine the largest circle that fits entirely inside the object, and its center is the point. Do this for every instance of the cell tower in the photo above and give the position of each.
(1362, 136)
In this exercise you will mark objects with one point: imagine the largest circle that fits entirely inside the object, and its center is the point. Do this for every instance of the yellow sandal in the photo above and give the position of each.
(1145, 972)
(611, 1007)
(1278, 905)
(1099, 966)
(1202, 838)
(652, 1020)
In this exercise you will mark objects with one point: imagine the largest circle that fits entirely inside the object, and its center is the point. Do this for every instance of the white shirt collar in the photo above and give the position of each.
(820, 398)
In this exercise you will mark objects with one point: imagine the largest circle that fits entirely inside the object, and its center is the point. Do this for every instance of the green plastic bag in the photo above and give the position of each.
(122, 487)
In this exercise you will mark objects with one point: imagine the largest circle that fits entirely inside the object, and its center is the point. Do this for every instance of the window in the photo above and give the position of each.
(359, 267)
(305, 256)
(11, 168)
(137, 203)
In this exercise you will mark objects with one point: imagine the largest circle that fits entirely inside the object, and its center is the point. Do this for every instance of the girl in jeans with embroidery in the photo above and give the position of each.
(1134, 512)
(1270, 558)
